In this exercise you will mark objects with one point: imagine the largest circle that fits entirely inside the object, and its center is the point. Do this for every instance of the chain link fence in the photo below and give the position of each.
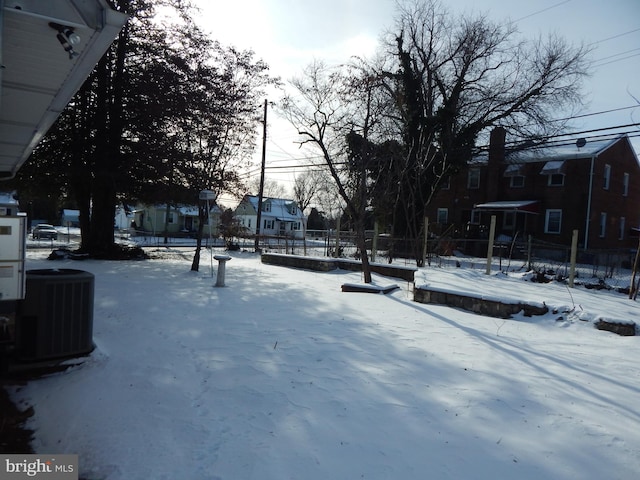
(606, 269)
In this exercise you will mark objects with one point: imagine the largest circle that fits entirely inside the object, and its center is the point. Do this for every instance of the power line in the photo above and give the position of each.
(594, 113)
(614, 61)
(615, 55)
(541, 11)
(615, 36)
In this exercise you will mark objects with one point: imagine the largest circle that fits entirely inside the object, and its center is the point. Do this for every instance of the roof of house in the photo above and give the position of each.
(194, 211)
(568, 150)
(184, 210)
(563, 151)
(279, 208)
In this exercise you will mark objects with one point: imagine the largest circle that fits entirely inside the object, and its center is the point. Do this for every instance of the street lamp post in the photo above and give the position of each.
(208, 195)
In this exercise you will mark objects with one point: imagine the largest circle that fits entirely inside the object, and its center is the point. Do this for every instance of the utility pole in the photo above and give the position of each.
(264, 154)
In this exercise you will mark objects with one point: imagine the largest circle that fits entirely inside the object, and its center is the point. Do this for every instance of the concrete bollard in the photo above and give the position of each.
(222, 260)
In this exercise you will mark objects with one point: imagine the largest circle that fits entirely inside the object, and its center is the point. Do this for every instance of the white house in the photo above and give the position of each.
(279, 217)
(181, 219)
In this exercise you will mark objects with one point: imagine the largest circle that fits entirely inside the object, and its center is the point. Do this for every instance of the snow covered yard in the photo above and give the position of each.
(280, 375)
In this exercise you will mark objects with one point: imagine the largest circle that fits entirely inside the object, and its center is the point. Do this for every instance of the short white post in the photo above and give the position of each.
(574, 255)
(222, 260)
(492, 236)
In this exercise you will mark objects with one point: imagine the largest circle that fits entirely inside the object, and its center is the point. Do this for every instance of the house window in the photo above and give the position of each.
(554, 170)
(509, 220)
(607, 176)
(248, 223)
(443, 215)
(293, 210)
(295, 226)
(170, 217)
(517, 181)
(623, 221)
(625, 185)
(266, 207)
(603, 224)
(473, 180)
(553, 221)
(555, 180)
(269, 224)
(512, 170)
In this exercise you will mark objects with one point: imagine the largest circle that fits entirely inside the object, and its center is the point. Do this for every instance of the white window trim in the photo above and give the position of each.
(555, 175)
(473, 173)
(547, 217)
(625, 185)
(607, 176)
(445, 212)
(512, 183)
(603, 224)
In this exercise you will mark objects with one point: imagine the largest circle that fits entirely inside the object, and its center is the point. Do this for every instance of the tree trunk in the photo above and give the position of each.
(110, 124)
(101, 233)
(362, 246)
(195, 265)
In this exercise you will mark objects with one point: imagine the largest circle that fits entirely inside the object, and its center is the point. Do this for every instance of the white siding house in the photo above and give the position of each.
(280, 217)
(182, 219)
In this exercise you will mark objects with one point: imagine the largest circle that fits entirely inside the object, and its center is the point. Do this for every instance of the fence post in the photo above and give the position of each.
(336, 254)
(574, 254)
(633, 286)
(426, 240)
(374, 241)
(492, 234)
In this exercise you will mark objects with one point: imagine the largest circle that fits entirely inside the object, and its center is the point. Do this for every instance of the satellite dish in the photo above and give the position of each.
(581, 142)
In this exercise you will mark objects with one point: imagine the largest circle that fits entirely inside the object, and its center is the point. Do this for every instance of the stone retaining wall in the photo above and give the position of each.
(327, 264)
(479, 305)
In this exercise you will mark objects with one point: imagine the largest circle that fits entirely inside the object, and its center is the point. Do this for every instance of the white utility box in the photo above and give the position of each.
(13, 237)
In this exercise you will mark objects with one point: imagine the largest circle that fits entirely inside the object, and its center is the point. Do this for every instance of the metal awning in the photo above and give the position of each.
(38, 73)
(513, 170)
(524, 206)
(553, 167)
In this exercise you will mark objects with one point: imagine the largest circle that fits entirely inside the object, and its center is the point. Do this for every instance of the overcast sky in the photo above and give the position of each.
(288, 34)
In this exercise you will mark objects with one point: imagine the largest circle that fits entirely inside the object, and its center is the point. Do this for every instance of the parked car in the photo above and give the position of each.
(43, 230)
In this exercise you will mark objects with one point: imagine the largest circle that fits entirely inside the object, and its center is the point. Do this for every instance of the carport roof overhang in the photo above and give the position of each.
(524, 206)
(37, 77)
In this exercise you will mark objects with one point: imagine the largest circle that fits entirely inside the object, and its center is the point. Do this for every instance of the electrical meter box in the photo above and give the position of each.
(13, 237)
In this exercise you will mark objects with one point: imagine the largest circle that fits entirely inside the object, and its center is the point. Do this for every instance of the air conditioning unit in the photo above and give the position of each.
(55, 318)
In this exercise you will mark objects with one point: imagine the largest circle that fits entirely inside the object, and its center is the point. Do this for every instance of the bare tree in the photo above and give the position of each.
(324, 119)
(451, 79)
(271, 189)
(305, 190)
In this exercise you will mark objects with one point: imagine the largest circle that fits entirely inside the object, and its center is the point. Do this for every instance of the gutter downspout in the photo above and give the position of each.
(588, 220)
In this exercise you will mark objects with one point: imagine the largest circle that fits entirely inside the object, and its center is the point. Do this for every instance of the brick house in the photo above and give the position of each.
(591, 186)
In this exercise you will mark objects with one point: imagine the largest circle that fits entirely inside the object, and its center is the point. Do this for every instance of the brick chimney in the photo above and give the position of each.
(495, 163)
